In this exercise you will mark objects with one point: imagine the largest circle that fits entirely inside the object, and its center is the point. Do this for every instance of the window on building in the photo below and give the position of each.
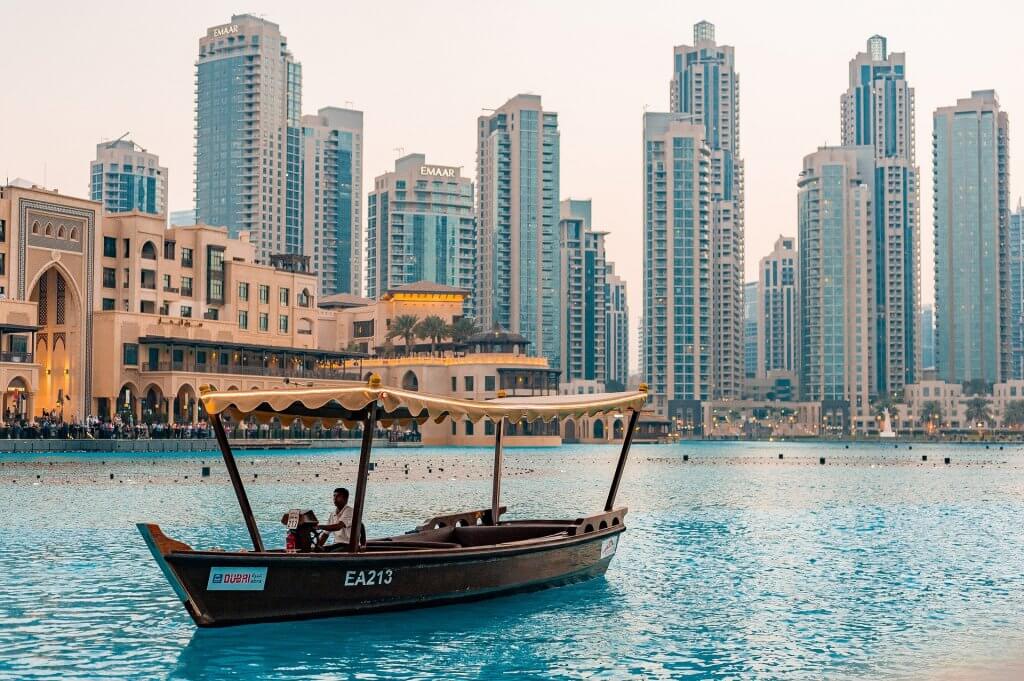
(127, 248)
(243, 319)
(109, 277)
(109, 303)
(489, 383)
(469, 427)
(186, 311)
(165, 308)
(488, 427)
(130, 354)
(3, 231)
(362, 329)
(147, 307)
(469, 382)
(109, 247)
(186, 257)
(186, 286)
(168, 250)
(282, 323)
(212, 314)
(284, 295)
(303, 299)
(264, 294)
(214, 274)
(455, 384)
(243, 291)
(166, 281)
(127, 278)
(264, 321)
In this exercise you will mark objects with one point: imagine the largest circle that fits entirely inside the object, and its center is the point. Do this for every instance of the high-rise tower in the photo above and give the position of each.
(777, 348)
(676, 333)
(332, 198)
(518, 268)
(973, 299)
(248, 134)
(878, 111)
(705, 85)
(125, 177)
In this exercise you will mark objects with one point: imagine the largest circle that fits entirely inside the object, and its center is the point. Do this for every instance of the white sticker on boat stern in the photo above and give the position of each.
(237, 579)
(608, 546)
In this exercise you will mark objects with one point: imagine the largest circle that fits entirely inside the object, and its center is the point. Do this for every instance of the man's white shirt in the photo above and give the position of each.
(343, 535)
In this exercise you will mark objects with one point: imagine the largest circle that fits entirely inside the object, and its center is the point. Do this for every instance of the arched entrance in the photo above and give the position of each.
(153, 406)
(127, 405)
(598, 429)
(59, 349)
(617, 429)
(185, 405)
(15, 400)
(569, 434)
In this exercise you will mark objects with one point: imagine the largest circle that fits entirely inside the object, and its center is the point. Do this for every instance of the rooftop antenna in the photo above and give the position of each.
(110, 145)
(400, 151)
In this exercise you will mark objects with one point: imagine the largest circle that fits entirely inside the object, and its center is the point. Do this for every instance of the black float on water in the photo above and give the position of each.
(947, 459)
(686, 457)
(821, 460)
(206, 471)
(924, 457)
(780, 455)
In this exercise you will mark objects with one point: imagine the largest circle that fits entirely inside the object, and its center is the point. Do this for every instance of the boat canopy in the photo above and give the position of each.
(348, 404)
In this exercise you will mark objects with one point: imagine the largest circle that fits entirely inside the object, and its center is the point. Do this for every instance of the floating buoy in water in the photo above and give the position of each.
(924, 457)
(686, 457)
(947, 459)
(821, 460)
(780, 456)
(205, 472)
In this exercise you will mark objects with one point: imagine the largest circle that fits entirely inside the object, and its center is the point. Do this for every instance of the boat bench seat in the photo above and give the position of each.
(485, 535)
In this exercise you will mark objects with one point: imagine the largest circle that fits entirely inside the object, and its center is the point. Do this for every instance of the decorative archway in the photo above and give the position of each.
(409, 381)
(153, 409)
(569, 431)
(16, 400)
(185, 405)
(149, 251)
(598, 429)
(617, 429)
(60, 342)
(127, 404)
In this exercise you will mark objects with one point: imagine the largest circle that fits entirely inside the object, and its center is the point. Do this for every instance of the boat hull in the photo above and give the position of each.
(223, 589)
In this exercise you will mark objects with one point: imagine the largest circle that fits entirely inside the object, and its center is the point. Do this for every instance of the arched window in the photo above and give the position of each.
(149, 251)
(304, 298)
(61, 232)
(49, 229)
(410, 382)
(35, 227)
(73, 234)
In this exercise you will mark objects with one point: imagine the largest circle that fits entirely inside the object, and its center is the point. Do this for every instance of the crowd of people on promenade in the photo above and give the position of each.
(51, 425)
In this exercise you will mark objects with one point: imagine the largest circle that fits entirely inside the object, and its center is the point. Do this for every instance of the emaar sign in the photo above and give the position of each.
(438, 171)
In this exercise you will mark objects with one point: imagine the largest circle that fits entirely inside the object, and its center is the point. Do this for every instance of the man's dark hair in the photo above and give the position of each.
(341, 490)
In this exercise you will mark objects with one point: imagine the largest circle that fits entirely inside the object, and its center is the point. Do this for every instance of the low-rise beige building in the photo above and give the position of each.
(115, 314)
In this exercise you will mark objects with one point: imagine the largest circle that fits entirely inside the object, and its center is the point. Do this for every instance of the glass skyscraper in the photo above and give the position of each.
(331, 189)
(583, 266)
(676, 332)
(125, 177)
(616, 329)
(973, 298)
(777, 348)
(1015, 291)
(750, 296)
(705, 85)
(420, 226)
(248, 134)
(878, 111)
(835, 270)
(519, 270)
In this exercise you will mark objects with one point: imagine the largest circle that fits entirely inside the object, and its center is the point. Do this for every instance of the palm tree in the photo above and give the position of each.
(434, 328)
(1014, 415)
(461, 329)
(931, 413)
(977, 411)
(404, 326)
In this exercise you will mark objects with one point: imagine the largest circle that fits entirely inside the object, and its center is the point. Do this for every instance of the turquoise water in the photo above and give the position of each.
(734, 566)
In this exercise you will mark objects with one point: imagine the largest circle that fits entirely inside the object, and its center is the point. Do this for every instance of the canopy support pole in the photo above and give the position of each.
(369, 425)
(626, 441)
(236, 482)
(499, 430)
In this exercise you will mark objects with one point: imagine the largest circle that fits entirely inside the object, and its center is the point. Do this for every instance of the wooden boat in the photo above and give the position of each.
(449, 558)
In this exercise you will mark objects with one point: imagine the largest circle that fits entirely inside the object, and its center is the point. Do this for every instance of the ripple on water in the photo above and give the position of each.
(728, 570)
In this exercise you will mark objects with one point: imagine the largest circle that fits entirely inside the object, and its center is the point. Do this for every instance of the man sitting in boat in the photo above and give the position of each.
(340, 521)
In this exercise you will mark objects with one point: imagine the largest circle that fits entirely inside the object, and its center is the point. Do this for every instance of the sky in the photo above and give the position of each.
(80, 73)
